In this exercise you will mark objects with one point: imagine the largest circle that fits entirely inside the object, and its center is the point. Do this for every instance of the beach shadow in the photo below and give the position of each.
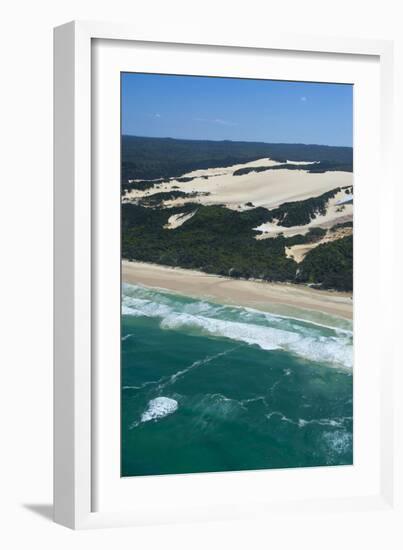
(43, 510)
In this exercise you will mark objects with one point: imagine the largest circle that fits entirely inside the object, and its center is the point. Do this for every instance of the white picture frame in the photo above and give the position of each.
(77, 391)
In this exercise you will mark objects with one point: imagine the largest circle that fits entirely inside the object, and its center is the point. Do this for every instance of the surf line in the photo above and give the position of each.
(167, 381)
(199, 363)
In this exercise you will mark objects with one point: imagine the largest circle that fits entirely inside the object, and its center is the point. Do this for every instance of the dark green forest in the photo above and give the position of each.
(158, 158)
(330, 265)
(318, 168)
(221, 241)
(289, 214)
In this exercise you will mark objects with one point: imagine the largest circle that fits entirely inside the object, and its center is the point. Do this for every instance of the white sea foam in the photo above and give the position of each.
(301, 423)
(216, 406)
(256, 399)
(251, 334)
(311, 341)
(166, 381)
(126, 310)
(197, 308)
(138, 295)
(338, 441)
(158, 408)
(321, 349)
(309, 323)
(321, 422)
(139, 307)
(283, 418)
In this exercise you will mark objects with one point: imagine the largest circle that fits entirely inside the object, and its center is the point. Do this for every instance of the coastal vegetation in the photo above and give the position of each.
(157, 199)
(313, 235)
(146, 158)
(330, 265)
(301, 212)
(216, 239)
(222, 241)
(315, 168)
(341, 226)
(140, 185)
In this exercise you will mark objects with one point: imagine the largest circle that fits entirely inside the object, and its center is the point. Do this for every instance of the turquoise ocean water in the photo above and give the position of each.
(209, 388)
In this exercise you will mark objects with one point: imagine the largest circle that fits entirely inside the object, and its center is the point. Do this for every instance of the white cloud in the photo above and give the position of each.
(224, 122)
(217, 121)
(303, 98)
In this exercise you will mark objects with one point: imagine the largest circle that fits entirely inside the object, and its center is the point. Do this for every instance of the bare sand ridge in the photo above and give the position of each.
(299, 251)
(268, 189)
(176, 220)
(335, 213)
(281, 298)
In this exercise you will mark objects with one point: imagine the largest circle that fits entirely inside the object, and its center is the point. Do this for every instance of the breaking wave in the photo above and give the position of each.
(158, 408)
(320, 343)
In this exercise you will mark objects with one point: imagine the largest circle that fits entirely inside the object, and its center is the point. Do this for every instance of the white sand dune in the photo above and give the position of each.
(335, 213)
(176, 220)
(268, 189)
(299, 251)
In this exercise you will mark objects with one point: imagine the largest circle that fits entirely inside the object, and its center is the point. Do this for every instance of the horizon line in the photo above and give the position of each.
(240, 141)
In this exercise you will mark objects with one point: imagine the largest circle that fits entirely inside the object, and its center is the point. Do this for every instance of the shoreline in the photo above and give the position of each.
(287, 299)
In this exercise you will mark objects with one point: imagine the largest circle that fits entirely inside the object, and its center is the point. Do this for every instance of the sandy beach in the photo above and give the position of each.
(279, 298)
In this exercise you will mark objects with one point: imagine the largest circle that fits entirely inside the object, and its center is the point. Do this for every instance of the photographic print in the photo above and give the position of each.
(237, 274)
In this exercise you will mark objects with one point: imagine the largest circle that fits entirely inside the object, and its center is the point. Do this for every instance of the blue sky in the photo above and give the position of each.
(191, 107)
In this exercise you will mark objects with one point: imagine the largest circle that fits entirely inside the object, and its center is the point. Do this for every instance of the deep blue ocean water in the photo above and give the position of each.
(208, 387)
